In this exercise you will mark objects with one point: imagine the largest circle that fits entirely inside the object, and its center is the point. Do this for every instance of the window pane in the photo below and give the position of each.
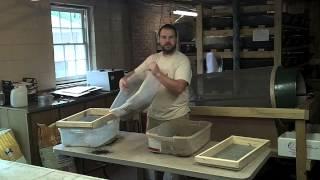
(65, 19)
(76, 20)
(69, 42)
(60, 69)
(66, 36)
(81, 52)
(81, 67)
(71, 68)
(56, 35)
(58, 53)
(69, 53)
(77, 35)
(55, 19)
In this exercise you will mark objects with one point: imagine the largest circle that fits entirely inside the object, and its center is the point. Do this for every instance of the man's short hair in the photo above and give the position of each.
(168, 26)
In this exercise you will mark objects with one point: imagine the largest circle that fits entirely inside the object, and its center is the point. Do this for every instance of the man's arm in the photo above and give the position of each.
(174, 86)
(123, 83)
(137, 72)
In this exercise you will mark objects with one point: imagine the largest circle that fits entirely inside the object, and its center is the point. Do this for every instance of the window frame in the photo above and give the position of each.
(85, 12)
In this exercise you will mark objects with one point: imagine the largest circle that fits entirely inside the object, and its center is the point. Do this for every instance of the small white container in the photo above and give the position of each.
(45, 100)
(2, 98)
(19, 96)
(287, 145)
(90, 128)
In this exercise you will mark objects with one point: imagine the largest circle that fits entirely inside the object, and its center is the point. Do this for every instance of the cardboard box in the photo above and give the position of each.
(9, 147)
(287, 145)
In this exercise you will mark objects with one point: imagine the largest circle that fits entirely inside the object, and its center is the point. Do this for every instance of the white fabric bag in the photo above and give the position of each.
(136, 97)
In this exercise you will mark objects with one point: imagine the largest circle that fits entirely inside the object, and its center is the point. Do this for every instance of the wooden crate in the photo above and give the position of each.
(234, 152)
(90, 118)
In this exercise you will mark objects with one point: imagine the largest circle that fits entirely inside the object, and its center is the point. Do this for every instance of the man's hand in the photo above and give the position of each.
(154, 68)
(123, 83)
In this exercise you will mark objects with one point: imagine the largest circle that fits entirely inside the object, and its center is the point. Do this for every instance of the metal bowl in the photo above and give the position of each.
(45, 100)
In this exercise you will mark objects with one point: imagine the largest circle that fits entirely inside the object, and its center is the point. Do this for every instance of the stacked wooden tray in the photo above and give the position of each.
(90, 118)
(234, 152)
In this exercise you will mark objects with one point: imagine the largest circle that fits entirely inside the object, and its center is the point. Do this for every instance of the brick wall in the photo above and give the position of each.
(145, 21)
(112, 34)
(314, 14)
(314, 30)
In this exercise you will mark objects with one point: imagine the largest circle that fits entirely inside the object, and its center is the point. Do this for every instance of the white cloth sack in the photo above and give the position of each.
(137, 96)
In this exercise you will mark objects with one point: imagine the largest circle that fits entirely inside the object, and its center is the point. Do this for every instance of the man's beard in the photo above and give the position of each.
(168, 51)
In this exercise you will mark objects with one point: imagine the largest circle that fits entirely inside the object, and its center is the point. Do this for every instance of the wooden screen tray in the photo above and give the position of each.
(234, 152)
(90, 118)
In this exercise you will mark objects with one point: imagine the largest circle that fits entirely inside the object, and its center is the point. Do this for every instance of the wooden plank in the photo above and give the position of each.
(301, 152)
(218, 147)
(74, 120)
(253, 154)
(98, 111)
(228, 32)
(199, 39)
(247, 54)
(257, 54)
(244, 140)
(74, 124)
(274, 113)
(225, 10)
(257, 8)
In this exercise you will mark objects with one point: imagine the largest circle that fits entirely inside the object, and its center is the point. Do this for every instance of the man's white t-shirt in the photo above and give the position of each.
(166, 105)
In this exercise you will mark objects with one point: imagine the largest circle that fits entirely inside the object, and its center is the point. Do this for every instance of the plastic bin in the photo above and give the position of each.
(90, 128)
(180, 138)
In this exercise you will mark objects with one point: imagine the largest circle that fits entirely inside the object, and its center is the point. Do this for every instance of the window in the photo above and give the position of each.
(70, 42)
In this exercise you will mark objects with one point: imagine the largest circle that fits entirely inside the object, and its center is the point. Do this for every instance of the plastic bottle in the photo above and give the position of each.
(19, 96)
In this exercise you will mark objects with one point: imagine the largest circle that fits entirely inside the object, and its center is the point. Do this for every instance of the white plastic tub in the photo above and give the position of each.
(90, 128)
(181, 138)
(90, 137)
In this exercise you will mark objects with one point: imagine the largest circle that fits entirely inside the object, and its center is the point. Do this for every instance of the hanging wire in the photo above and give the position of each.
(161, 14)
(168, 4)
(178, 19)
(172, 5)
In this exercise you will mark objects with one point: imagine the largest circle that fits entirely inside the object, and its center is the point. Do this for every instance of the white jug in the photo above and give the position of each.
(19, 96)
